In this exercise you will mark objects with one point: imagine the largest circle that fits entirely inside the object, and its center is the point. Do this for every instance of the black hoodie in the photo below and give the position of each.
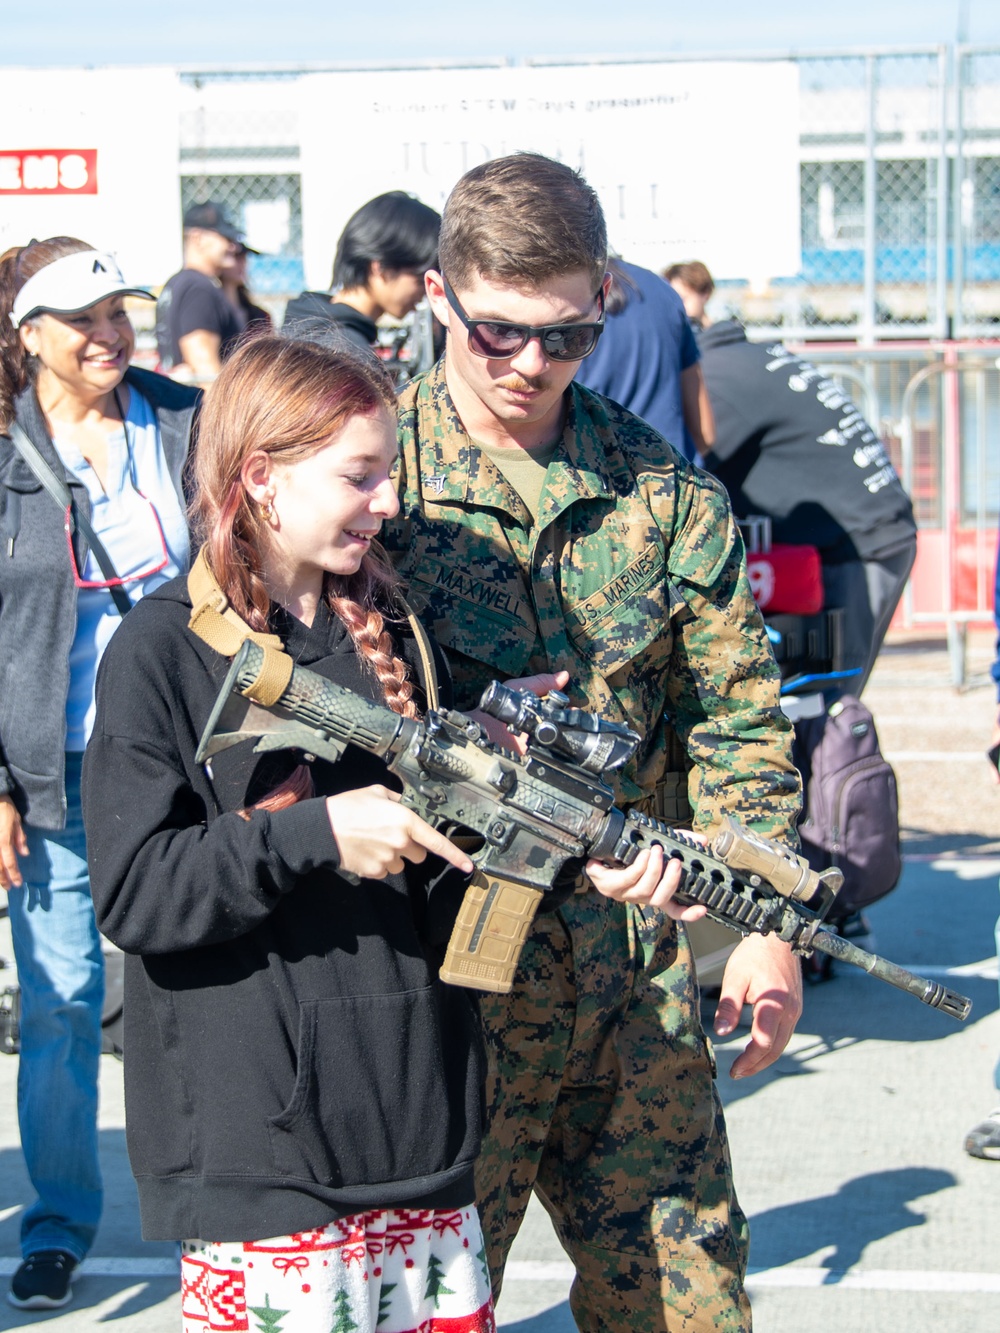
(290, 1056)
(790, 443)
(316, 312)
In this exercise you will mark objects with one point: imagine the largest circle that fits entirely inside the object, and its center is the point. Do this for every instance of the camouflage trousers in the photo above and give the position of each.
(600, 1097)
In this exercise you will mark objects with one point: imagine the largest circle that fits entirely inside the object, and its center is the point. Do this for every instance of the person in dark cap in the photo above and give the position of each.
(196, 326)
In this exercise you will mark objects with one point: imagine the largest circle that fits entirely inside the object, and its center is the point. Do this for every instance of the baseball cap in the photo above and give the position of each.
(213, 217)
(71, 284)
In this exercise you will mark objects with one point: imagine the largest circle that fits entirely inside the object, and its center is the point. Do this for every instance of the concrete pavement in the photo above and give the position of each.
(866, 1214)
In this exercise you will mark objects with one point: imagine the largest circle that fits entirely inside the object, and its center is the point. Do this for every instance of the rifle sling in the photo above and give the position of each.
(217, 624)
(426, 656)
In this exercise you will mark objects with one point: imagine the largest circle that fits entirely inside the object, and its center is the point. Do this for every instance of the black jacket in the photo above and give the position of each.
(38, 596)
(316, 312)
(789, 443)
(290, 1056)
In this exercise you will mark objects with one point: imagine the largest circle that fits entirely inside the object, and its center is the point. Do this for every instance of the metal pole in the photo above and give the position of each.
(951, 475)
(868, 323)
(941, 243)
(958, 172)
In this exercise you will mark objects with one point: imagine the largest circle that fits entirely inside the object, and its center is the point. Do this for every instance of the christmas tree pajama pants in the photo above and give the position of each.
(401, 1270)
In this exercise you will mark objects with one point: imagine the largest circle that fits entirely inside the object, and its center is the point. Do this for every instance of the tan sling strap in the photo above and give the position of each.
(426, 655)
(215, 621)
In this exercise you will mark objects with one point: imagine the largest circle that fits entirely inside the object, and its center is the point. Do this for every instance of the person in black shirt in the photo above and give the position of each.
(237, 292)
(790, 444)
(196, 326)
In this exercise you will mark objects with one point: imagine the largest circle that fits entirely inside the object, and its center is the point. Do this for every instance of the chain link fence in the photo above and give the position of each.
(899, 187)
(977, 193)
(239, 145)
(873, 144)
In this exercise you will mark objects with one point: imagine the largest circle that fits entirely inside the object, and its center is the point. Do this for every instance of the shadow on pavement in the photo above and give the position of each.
(149, 1293)
(923, 842)
(91, 1291)
(558, 1319)
(117, 1237)
(863, 1210)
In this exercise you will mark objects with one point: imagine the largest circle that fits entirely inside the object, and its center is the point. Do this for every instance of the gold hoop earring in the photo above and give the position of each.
(266, 511)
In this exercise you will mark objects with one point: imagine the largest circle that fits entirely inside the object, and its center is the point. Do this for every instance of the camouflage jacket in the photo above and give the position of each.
(633, 580)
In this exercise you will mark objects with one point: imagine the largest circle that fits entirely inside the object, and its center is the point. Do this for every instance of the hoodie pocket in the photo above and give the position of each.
(370, 1103)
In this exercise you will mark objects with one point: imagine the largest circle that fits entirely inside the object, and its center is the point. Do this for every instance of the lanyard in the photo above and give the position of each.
(60, 492)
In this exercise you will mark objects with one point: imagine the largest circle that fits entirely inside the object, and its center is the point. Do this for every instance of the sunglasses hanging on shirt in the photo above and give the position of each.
(74, 519)
(160, 559)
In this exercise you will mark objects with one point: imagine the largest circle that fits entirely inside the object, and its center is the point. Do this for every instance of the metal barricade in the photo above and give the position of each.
(936, 407)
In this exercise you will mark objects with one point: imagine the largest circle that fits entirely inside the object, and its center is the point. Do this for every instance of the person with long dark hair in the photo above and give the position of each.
(92, 517)
(302, 1093)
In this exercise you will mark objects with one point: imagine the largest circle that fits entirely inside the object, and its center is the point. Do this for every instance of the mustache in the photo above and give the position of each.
(520, 383)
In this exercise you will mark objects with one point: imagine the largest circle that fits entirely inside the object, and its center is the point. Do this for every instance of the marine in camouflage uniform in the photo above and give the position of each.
(632, 579)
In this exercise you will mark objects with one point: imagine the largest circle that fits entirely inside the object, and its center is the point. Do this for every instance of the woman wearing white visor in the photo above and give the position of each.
(92, 516)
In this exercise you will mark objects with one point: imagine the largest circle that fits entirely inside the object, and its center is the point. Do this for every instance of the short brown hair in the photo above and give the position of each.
(694, 274)
(522, 218)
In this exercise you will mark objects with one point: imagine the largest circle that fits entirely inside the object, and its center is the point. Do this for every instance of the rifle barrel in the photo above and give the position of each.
(930, 992)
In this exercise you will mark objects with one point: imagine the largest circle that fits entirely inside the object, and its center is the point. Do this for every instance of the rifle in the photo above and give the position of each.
(536, 812)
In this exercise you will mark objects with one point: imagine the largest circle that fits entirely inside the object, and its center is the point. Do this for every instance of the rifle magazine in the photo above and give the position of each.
(489, 933)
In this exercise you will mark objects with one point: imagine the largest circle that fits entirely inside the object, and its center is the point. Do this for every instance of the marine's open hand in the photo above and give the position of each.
(763, 972)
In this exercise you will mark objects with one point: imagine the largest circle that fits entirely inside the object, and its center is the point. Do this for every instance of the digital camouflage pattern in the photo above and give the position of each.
(632, 580)
(601, 1090)
(601, 1097)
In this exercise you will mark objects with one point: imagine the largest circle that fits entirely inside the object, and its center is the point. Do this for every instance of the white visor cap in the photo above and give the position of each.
(71, 284)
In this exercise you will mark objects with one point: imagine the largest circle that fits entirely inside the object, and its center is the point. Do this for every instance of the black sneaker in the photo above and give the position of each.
(42, 1282)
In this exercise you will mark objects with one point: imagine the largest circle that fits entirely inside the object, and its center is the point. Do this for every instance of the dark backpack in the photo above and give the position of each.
(851, 816)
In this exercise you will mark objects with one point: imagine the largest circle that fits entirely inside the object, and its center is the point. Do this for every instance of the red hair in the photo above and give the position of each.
(286, 398)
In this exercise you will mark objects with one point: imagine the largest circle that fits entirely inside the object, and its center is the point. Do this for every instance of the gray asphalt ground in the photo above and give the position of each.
(866, 1213)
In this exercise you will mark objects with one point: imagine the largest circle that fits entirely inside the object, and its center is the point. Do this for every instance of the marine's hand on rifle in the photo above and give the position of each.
(646, 882)
(763, 972)
(540, 685)
(375, 835)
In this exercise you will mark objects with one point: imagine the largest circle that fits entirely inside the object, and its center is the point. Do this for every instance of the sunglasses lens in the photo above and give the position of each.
(497, 340)
(572, 343)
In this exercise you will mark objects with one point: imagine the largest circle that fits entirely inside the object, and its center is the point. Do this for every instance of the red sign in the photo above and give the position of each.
(48, 171)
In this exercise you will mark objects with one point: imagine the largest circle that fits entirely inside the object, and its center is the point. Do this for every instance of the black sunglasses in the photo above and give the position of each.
(496, 340)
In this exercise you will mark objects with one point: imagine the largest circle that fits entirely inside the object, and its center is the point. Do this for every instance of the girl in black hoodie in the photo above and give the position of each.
(303, 1095)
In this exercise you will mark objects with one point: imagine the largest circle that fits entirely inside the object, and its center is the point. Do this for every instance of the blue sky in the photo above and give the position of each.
(193, 31)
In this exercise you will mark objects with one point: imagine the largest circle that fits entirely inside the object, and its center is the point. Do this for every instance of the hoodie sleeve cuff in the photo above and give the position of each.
(302, 837)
